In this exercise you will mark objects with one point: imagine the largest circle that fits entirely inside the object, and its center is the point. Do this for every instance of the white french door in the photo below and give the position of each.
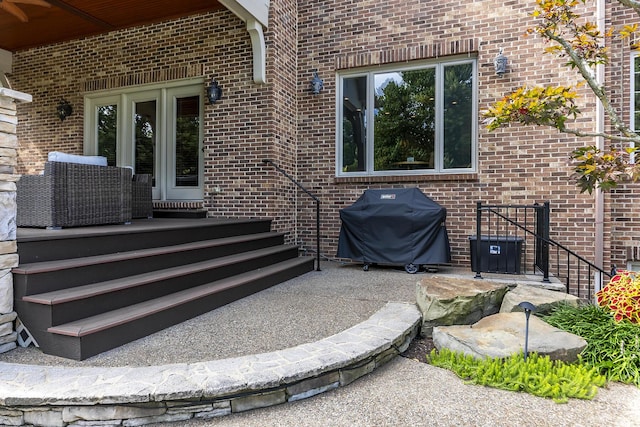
(184, 147)
(155, 131)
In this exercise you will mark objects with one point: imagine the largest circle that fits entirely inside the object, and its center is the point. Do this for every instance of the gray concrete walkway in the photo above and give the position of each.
(302, 310)
(310, 309)
(409, 393)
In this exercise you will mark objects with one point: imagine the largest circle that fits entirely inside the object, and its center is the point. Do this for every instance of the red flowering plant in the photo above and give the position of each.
(622, 296)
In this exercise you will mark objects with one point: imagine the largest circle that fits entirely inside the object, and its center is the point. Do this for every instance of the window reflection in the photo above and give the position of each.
(107, 132)
(418, 119)
(404, 133)
(353, 124)
(145, 138)
(458, 119)
(636, 95)
(187, 141)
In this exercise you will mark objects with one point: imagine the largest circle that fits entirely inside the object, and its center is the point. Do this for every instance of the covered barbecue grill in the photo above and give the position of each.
(394, 226)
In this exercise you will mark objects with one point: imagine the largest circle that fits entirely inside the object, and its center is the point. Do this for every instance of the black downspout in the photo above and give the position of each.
(545, 241)
(478, 240)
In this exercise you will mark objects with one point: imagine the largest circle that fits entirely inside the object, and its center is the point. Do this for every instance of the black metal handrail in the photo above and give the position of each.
(580, 261)
(542, 243)
(313, 196)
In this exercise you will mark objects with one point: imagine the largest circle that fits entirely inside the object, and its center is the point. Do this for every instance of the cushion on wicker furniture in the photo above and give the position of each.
(73, 194)
(57, 156)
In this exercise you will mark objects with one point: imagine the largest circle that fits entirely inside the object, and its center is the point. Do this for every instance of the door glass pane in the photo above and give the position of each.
(353, 124)
(187, 141)
(636, 81)
(145, 138)
(404, 130)
(107, 132)
(458, 116)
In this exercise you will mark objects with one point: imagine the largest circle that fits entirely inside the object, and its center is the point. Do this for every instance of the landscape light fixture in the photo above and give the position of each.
(528, 308)
(214, 92)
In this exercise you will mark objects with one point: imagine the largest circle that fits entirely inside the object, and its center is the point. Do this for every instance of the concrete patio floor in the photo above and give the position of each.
(320, 304)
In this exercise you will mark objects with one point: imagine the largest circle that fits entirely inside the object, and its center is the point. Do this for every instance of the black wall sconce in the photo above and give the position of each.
(214, 92)
(500, 63)
(64, 109)
(317, 84)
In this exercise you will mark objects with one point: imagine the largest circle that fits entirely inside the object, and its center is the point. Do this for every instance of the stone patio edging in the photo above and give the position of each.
(133, 396)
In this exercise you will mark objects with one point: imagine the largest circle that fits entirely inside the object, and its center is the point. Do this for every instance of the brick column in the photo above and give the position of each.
(8, 243)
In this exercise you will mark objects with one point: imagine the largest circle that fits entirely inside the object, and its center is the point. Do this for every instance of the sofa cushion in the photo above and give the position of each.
(56, 156)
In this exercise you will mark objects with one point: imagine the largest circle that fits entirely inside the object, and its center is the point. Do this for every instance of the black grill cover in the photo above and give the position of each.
(395, 226)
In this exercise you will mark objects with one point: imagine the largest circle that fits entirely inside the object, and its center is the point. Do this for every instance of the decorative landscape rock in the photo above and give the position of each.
(544, 299)
(8, 218)
(6, 291)
(456, 301)
(8, 244)
(502, 335)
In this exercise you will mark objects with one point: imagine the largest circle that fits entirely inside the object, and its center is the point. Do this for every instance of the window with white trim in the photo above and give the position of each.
(408, 120)
(635, 93)
(635, 99)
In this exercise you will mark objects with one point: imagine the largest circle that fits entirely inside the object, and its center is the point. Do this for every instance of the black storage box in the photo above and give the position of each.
(499, 254)
(394, 226)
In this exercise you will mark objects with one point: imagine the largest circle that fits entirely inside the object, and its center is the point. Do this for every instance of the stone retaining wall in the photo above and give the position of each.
(8, 243)
(133, 396)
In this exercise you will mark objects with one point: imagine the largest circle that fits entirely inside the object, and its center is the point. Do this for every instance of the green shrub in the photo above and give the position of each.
(613, 348)
(538, 375)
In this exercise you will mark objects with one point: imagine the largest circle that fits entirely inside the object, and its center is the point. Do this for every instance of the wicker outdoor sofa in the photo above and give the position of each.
(74, 194)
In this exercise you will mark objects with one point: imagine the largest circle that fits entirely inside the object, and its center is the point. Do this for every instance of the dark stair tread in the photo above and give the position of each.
(179, 213)
(91, 290)
(46, 266)
(125, 315)
(37, 245)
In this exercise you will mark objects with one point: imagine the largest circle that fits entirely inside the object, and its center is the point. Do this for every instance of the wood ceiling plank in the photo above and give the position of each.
(81, 14)
(73, 19)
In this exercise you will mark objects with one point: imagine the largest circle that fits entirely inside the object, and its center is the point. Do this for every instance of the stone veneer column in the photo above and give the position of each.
(8, 243)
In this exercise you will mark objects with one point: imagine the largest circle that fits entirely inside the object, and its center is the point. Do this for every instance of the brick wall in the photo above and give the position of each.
(151, 54)
(624, 216)
(281, 193)
(516, 165)
(247, 125)
(283, 121)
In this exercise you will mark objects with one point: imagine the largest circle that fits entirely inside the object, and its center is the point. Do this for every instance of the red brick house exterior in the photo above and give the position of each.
(284, 121)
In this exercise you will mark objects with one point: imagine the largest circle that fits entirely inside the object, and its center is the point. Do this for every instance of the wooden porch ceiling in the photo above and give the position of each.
(73, 19)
